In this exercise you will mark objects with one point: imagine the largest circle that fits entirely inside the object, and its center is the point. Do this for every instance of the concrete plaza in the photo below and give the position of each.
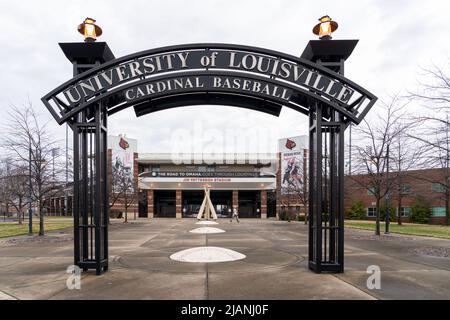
(275, 267)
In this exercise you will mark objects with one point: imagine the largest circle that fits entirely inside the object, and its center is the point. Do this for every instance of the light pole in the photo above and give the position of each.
(386, 230)
(66, 200)
(30, 212)
(54, 154)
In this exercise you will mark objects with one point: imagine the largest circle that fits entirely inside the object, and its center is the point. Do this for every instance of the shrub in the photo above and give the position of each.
(300, 217)
(392, 213)
(283, 215)
(356, 211)
(287, 214)
(115, 214)
(420, 210)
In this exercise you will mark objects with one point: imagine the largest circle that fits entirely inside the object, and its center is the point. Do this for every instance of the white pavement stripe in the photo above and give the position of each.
(5, 296)
(207, 230)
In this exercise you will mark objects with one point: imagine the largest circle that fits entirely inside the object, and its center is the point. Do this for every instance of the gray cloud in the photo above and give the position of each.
(395, 38)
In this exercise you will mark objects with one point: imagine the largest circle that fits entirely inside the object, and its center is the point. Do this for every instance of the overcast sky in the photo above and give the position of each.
(397, 37)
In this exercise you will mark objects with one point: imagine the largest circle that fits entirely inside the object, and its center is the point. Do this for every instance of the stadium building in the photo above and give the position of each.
(165, 185)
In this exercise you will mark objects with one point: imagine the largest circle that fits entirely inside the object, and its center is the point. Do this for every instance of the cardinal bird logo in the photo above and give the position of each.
(290, 144)
(124, 144)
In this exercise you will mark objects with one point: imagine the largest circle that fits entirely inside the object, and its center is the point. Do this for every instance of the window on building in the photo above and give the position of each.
(438, 211)
(438, 187)
(371, 191)
(156, 167)
(211, 168)
(405, 212)
(405, 189)
(371, 212)
(201, 168)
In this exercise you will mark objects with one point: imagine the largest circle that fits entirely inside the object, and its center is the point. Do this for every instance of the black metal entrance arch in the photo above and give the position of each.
(223, 74)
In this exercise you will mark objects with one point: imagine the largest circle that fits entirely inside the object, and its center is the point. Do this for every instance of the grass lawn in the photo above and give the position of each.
(10, 229)
(406, 228)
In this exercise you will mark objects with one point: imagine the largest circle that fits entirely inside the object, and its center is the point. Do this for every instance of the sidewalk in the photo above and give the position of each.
(275, 266)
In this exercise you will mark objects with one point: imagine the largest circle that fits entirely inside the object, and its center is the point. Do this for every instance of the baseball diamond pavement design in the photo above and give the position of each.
(275, 266)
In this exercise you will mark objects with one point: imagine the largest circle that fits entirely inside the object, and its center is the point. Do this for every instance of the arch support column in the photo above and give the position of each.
(326, 163)
(91, 197)
(326, 193)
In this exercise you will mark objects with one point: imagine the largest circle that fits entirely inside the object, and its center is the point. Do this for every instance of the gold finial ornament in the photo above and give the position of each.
(90, 30)
(325, 28)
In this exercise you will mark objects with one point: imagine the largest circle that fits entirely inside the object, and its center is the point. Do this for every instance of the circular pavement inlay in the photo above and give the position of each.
(206, 222)
(207, 230)
(207, 255)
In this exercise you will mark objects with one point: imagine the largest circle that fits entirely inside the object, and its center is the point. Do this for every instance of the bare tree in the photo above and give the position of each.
(435, 140)
(405, 155)
(375, 136)
(301, 189)
(434, 94)
(434, 90)
(5, 187)
(29, 143)
(15, 188)
(290, 197)
(122, 187)
(115, 193)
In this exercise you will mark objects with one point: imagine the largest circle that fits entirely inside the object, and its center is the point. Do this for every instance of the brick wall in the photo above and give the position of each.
(178, 202)
(420, 182)
(235, 199)
(263, 204)
(150, 203)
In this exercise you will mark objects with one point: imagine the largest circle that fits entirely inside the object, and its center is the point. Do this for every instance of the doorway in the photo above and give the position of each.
(222, 200)
(165, 204)
(249, 204)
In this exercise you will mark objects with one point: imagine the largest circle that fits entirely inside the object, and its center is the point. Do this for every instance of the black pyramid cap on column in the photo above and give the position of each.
(329, 50)
(87, 52)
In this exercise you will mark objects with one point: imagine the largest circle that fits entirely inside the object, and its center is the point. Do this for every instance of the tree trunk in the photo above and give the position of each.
(41, 220)
(19, 216)
(377, 223)
(19, 212)
(126, 208)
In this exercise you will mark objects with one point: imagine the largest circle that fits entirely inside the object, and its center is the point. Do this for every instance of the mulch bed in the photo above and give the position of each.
(440, 252)
(35, 239)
